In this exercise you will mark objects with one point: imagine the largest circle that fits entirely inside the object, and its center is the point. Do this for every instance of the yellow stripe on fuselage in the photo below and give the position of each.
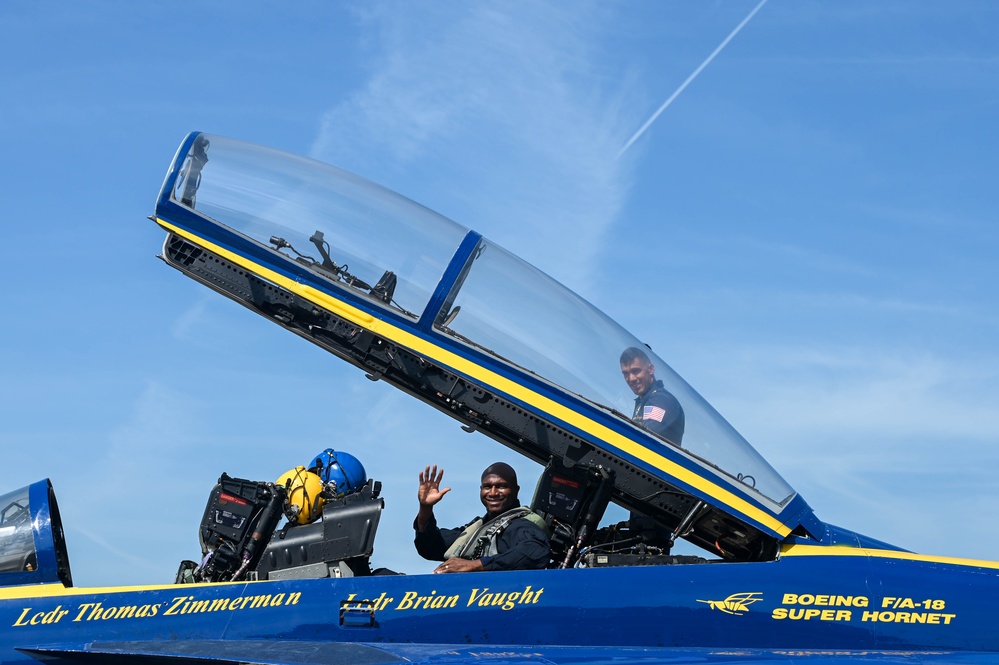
(56, 590)
(490, 378)
(845, 550)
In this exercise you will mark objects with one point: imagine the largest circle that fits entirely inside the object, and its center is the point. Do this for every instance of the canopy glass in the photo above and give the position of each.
(396, 253)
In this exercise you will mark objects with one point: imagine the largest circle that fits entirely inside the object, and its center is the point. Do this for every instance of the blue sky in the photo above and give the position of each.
(807, 234)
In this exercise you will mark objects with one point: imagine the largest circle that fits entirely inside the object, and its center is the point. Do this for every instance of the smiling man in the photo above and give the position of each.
(508, 537)
(655, 407)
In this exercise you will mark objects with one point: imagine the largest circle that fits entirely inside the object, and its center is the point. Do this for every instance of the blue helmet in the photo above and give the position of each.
(341, 469)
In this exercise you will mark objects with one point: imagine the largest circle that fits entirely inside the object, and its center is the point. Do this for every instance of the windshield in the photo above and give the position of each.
(396, 252)
(17, 544)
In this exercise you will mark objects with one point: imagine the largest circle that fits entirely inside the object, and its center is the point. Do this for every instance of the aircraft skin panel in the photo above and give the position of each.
(836, 602)
(220, 652)
(503, 384)
(261, 652)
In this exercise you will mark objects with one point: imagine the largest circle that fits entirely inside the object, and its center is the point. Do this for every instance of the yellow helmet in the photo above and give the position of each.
(304, 502)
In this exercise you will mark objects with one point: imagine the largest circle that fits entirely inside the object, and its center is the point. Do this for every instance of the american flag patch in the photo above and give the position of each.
(656, 413)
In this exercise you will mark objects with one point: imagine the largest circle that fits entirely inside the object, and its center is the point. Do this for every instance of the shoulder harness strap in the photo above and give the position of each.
(477, 540)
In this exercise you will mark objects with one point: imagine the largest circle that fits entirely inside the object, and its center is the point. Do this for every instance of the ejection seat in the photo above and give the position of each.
(572, 500)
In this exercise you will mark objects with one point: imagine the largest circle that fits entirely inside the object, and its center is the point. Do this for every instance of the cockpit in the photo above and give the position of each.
(32, 544)
(443, 313)
(395, 253)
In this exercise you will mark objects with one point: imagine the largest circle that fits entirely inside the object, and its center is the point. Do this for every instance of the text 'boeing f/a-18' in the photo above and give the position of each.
(438, 311)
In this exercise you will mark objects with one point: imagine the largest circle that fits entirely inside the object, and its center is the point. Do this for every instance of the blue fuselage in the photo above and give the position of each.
(873, 601)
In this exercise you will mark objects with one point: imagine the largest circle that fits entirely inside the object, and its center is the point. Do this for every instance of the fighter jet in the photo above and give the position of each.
(413, 299)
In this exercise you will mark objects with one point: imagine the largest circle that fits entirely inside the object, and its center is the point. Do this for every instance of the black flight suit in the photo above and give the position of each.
(659, 411)
(522, 545)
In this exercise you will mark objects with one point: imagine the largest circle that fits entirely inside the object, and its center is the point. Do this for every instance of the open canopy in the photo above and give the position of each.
(405, 265)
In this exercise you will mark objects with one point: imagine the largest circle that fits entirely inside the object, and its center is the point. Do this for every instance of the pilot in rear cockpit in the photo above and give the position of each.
(655, 407)
(508, 537)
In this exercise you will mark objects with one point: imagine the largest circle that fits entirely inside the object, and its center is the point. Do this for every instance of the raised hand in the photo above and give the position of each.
(430, 491)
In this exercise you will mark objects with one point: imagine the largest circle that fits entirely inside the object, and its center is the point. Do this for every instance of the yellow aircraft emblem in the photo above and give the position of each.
(737, 603)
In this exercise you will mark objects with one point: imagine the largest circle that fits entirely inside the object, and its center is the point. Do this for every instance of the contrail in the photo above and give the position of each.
(691, 78)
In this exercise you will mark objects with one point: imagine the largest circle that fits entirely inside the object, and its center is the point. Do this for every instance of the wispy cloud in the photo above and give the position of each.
(119, 554)
(507, 95)
(892, 442)
(831, 416)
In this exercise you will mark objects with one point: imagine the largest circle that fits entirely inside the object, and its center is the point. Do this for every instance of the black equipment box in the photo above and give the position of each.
(231, 509)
